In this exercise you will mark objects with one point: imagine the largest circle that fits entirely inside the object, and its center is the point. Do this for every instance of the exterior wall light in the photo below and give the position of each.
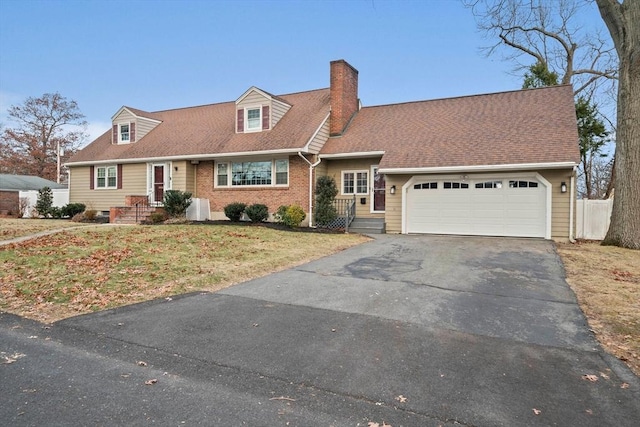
(392, 190)
(563, 187)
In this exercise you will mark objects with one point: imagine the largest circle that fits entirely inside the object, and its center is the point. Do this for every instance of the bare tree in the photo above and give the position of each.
(623, 22)
(45, 127)
(548, 32)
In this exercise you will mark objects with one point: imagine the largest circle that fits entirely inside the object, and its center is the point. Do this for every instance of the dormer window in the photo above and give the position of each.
(124, 136)
(253, 119)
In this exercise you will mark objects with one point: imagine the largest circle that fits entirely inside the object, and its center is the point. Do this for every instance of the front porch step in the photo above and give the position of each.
(127, 214)
(368, 226)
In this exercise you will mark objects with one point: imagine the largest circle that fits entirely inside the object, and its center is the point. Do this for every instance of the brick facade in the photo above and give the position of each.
(273, 197)
(9, 202)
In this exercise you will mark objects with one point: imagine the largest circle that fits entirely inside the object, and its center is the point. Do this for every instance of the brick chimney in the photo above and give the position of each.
(344, 96)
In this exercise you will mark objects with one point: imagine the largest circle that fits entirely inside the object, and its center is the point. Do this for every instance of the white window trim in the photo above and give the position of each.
(273, 174)
(246, 118)
(355, 182)
(106, 178)
(120, 140)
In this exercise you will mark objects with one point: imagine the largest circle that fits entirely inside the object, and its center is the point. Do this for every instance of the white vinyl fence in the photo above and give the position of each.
(593, 218)
(60, 199)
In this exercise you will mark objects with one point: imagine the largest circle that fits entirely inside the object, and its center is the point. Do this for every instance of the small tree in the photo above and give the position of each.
(326, 192)
(176, 202)
(45, 201)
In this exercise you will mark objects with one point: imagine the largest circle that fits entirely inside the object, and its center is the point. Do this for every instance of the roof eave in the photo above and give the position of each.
(478, 168)
(361, 154)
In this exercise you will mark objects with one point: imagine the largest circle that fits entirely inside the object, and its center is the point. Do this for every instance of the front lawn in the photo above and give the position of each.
(84, 270)
(10, 228)
(606, 280)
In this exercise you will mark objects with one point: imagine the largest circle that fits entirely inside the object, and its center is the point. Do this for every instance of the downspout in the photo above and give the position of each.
(311, 167)
(571, 203)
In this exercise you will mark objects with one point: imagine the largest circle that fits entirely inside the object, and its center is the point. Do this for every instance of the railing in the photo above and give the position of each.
(345, 213)
(141, 205)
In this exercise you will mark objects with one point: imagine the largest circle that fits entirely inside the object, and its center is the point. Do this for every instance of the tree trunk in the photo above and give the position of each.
(623, 21)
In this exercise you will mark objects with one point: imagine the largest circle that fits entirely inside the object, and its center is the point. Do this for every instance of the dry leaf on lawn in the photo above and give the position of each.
(151, 382)
(592, 378)
(537, 411)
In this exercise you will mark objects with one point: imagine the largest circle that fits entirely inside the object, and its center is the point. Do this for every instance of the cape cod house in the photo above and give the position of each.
(500, 164)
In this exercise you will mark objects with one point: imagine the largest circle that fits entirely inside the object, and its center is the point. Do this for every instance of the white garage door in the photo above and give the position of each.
(487, 207)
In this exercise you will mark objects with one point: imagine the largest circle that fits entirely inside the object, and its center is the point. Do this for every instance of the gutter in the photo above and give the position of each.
(479, 168)
(571, 203)
(311, 167)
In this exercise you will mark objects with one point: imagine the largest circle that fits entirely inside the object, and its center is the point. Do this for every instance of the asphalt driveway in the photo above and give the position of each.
(404, 330)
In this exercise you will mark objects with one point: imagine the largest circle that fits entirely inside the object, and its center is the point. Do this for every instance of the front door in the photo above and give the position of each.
(378, 188)
(158, 183)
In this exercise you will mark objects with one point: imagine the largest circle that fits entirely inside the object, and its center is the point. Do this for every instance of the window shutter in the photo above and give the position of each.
(119, 176)
(132, 132)
(91, 177)
(240, 121)
(265, 117)
(115, 134)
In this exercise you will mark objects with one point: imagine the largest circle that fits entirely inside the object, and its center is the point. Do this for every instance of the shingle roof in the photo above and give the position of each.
(519, 127)
(210, 129)
(26, 183)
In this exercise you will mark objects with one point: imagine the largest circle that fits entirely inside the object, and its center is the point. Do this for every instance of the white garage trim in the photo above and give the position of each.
(527, 175)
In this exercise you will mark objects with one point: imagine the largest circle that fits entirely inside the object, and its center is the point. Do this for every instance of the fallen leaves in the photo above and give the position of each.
(151, 382)
(401, 399)
(11, 358)
(589, 377)
(536, 411)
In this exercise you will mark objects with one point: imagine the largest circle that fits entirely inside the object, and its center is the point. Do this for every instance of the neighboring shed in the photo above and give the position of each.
(12, 185)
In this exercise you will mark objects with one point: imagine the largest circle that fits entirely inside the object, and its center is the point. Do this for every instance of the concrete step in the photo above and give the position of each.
(368, 226)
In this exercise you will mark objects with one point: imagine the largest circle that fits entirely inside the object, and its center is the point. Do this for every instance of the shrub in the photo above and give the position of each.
(90, 214)
(176, 202)
(158, 217)
(23, 205)
(326, 192)
(72, 209)
(290, 216)
(55, 212)
(257, 212)
(234, 211)
(78, 217)
(45, 201)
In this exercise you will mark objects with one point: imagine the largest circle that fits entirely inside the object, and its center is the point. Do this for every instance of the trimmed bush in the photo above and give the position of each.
(55, 212)
(234, 211)
(291, 216)
(72, 209)
(176, 202)
(326, 192)
(257, 212)
(158, 217)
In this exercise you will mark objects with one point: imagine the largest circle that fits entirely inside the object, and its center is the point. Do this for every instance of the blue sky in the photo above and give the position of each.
(156, 55)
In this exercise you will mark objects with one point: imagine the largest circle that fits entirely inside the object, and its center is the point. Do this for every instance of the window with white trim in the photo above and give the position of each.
(254, 119)
(124, 133)
(355, 182)
(106, 177)
(259, 173)
(426, 186)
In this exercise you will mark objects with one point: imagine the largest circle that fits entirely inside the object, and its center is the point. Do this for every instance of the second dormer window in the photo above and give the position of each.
(124, 133)
(253, 119)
